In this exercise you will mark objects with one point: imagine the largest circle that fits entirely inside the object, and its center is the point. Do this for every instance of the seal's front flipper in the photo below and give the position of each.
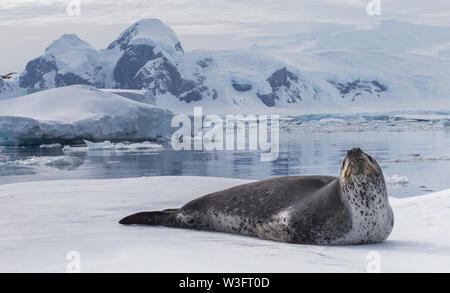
(159, 218)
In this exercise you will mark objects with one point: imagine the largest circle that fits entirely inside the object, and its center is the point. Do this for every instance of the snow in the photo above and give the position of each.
(142, 96)
(71, 54)
(150, 29)
(41, 222)
(389, 35)
(10, 89)
(76, 112)
(408, 77)
(151, 32)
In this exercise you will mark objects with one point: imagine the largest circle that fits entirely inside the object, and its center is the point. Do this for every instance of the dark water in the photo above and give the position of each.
(422, 156)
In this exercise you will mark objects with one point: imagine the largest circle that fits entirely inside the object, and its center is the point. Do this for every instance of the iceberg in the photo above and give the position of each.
(71, 114)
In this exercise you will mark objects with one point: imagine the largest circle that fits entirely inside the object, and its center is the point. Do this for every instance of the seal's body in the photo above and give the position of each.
(350, 209)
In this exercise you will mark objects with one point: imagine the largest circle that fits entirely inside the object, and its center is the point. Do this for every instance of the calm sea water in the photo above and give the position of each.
(423, 157)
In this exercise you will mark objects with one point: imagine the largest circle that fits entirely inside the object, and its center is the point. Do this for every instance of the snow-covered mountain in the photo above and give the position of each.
(387, 66)
(67, 61)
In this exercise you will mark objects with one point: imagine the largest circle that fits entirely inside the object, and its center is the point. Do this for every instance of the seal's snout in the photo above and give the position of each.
(358, 162)
(355, 152)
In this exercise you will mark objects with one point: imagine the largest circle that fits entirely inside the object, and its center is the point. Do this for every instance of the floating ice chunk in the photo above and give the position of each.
(109, 146)
(445, 122)
(435, 158)
(65, 162)
(121, 147)
(74, 149)
(106, 145)
(397, 180)
(59, 162)
(417, 157)
(146, 145)
(50, 146)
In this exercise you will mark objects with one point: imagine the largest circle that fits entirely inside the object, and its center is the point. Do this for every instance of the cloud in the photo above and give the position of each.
(203, 23)
(222, 15)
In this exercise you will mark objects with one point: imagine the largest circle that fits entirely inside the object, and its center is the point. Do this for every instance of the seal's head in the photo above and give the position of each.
(359, 165)
(364, 190)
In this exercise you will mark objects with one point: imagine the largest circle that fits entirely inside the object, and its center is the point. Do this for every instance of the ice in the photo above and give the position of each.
(70, 114)
(416, 158)
(363, 122)
(83, 215)
(435, 158)
(107, 145)
(50, 146)
(58, 162)
(146, 145)
(74, 149)
(396, 180)
(65, 162)
(142, 96)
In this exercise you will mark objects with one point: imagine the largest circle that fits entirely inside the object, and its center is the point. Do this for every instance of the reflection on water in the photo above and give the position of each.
(399, 153)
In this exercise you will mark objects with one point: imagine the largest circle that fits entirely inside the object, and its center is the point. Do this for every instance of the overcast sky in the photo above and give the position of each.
(28, 26)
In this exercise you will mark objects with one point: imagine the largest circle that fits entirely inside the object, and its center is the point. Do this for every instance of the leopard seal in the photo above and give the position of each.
(352, 208)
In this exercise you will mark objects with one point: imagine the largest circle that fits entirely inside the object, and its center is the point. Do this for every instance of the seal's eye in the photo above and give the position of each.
(371, 159)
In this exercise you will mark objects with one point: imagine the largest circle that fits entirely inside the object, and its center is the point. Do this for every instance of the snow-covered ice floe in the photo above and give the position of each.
(109, 146)
(41, 222)
(70, 114)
